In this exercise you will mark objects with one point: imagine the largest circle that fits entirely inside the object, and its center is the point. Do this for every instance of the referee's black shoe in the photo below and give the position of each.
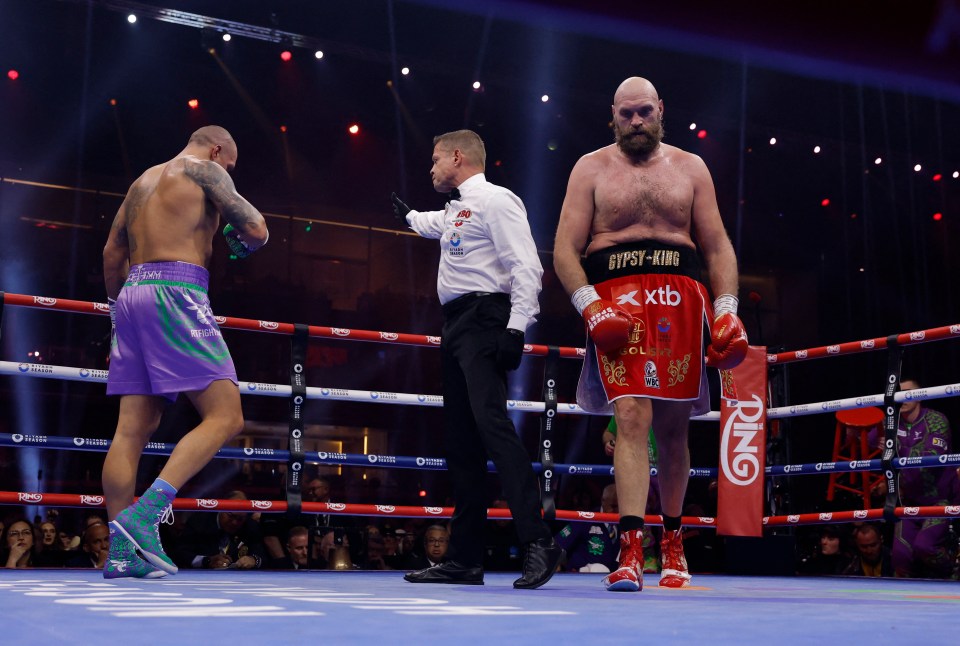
(539, 563)
(447, 572)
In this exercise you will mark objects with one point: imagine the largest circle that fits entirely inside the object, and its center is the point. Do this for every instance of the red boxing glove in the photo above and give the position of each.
(608, 325)
(728, 342)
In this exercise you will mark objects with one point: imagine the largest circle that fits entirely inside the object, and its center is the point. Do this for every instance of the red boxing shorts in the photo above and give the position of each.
(658, 285)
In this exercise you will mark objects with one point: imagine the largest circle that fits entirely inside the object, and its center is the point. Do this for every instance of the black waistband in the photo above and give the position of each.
(451, 308)
(641, 257)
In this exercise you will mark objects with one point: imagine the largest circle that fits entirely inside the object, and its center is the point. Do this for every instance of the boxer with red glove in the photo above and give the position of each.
(608, 324)
(728, 338)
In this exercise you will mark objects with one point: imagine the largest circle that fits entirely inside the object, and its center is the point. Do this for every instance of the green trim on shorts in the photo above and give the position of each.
(170, 331)
(168, 283)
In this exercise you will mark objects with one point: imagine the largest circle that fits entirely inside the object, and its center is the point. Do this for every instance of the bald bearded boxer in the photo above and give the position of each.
(634, 207)
(165, 339)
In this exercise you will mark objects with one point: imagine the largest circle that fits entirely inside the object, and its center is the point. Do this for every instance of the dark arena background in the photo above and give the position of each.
(831, 129)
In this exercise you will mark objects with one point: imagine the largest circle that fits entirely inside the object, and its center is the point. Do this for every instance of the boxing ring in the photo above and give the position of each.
(258, 605)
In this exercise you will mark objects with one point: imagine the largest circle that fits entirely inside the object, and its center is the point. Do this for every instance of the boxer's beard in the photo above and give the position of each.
(635, 142)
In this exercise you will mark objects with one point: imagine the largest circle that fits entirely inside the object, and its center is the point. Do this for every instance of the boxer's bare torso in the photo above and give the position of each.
(649, 200)
(168, 216)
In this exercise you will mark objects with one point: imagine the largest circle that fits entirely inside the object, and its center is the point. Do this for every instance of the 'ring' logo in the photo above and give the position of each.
(269, 325)
(435, 511)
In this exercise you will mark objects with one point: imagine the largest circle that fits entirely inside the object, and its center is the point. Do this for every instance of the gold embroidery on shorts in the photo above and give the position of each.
(678, 370)
(638, 332)
(727, 385)
(614, 371)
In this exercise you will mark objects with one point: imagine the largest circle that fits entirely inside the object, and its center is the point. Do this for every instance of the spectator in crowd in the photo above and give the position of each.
(333, 548)
(872, 556)
(49, 551)
(593, 547)
(94, 548)
(392, 556)
(298, 553)
(48, 535)
(436, 539)
(17, 544)
(405, 542)
(375, 554)
(922, 546)
(276, 527)
(829, 556)
(70, 542)
(227, 539)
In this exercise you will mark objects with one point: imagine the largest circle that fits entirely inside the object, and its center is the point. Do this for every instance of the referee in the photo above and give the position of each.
(488, 284)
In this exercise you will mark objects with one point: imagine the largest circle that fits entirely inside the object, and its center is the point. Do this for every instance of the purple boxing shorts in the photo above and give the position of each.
(167, 340)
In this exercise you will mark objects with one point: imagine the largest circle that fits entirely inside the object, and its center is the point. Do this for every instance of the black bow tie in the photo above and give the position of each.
(453, 195)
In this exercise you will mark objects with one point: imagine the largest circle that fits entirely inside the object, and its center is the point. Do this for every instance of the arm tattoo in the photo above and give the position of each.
(220, 189)
(132, 211)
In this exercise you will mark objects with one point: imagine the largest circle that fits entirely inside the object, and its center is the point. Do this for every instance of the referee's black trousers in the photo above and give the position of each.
(476, 426)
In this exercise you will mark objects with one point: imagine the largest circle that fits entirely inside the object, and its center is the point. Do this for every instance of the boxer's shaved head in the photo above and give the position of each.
(633, 88)
(209, 136)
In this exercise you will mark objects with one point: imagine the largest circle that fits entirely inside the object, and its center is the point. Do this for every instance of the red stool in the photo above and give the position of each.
(850, 442)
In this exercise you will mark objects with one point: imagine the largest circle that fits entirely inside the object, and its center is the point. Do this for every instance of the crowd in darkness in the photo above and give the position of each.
(250, 540)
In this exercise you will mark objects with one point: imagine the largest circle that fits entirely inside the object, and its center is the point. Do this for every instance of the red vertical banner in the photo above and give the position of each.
(743, 444)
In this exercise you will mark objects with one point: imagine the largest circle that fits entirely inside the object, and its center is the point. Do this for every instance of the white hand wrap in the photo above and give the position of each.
(725, 304)
(583, 297)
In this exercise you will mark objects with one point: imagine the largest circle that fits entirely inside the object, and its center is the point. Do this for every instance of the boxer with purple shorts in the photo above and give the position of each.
(166, 340)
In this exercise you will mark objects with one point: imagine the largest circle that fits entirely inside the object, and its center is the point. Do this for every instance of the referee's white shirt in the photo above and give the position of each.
(486, 246)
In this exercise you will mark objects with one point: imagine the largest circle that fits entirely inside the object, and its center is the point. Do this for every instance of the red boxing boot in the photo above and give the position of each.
(674, 573)
(629, 576)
